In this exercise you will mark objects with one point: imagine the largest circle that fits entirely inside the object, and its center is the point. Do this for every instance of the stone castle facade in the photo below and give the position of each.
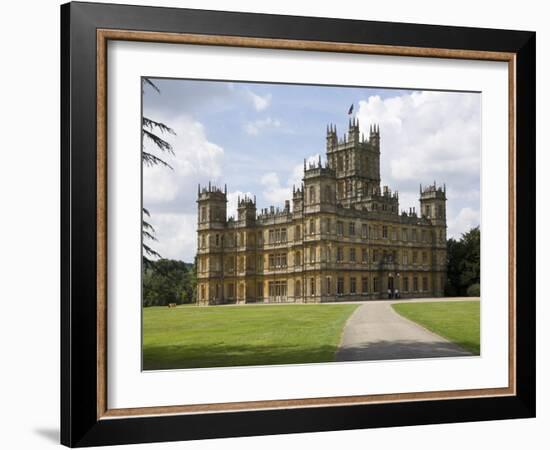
(343, 239)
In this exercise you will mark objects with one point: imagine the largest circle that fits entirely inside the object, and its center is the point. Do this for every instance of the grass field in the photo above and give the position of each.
(190, 336)
(456, 321)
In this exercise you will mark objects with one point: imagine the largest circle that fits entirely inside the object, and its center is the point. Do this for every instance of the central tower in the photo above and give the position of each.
(356, 162)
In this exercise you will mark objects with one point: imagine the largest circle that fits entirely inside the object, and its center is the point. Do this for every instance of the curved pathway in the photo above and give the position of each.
(375, 331)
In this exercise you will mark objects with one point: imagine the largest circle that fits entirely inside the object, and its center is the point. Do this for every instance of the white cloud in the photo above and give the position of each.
(275, 192)
(259, 102)
(176, 234)
(256, 127)
(427, 136)
(424, 133)
(196, 159)
(466, 219)
(170, 195)
(232, 198)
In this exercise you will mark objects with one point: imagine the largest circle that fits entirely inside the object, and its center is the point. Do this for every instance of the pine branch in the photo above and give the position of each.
(152, 124)
(148, 235)
(151, 160)
(158, 141)
(148, 82)
(150, 252)
(147, 226)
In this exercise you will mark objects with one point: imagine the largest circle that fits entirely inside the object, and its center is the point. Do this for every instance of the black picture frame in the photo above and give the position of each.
(80, 425)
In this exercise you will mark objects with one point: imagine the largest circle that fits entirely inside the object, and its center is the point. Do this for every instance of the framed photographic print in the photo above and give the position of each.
(276, 224)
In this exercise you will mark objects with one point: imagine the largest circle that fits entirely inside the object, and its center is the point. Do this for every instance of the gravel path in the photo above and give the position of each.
(375, 331)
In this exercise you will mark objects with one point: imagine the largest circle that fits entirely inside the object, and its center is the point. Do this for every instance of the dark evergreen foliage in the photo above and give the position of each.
(169, 281)
(463, 264)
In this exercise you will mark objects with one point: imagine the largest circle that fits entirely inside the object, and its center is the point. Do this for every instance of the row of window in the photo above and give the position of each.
(355, 286)
(280, 260)
(277, 290)
(279, 235)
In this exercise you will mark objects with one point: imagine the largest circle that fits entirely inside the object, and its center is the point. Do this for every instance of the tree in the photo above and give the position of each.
(149, 130)
(463, 263)
(168, 281)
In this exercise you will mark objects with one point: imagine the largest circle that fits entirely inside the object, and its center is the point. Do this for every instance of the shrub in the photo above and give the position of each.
(473, 290)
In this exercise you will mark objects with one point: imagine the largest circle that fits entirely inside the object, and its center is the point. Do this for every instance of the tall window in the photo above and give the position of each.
(374, 232)
(406, 284)
(311, 194)
(405, 257)
(312, 286)
(375, 284)
(298, 232)
(352, 285)
(414, 235)
(384, 232)
(340, 228)
(424, 257)
(312, 255)
(340, 286)
(415, 257)
(364, 255)
(352, 254)
(364, 231)
(298, 289)
(327, 226)
(424, 283)
(415, 284)
(405, 234)
(312, 226)
(364, 285)
(375, 256)
(352, 228)
(329, 287)
(339, 254)
(297, 258)
(328, 194)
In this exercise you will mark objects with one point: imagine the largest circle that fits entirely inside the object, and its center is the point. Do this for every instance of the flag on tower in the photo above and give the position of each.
(350, 110)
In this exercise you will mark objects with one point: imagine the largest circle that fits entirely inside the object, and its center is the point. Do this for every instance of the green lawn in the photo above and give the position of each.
(456, 321)
(191, 336)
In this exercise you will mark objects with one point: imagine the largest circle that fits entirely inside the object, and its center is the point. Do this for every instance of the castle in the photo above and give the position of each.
(343, 239)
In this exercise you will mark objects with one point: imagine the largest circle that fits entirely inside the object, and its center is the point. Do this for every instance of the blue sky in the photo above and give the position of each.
(254, 137)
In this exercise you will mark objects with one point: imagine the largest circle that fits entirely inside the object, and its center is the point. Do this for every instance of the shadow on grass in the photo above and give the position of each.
(201, 356)
(400, 349)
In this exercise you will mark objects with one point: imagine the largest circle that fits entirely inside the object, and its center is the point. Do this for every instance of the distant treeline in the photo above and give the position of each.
(169, 281)
(463, 264)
